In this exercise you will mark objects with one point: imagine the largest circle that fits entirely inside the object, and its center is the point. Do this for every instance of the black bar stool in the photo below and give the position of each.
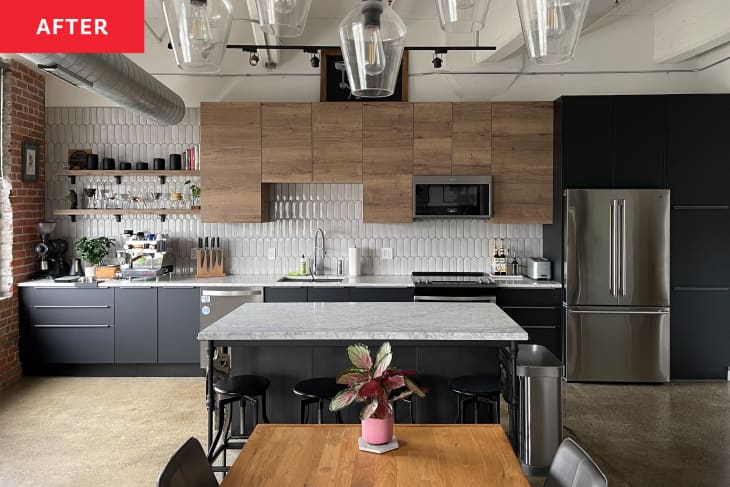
(476, 389)
(245, 390)
(411, 414)
(317, 390)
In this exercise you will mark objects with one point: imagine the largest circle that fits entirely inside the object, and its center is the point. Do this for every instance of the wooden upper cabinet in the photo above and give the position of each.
(387, 151)
(522, 162)
(286, 142)
(230, 172)
(337, 142)
(471, 154)
(432, 126)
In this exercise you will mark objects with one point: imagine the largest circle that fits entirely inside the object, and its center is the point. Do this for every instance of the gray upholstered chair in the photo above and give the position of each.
(188, 467)
(573, 467)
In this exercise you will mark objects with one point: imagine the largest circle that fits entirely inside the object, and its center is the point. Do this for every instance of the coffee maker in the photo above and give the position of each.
(51, 251)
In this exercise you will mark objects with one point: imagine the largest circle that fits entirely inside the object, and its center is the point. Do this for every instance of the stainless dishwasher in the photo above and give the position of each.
(217, 302)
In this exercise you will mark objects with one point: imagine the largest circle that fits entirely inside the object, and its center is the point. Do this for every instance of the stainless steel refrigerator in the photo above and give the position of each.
(617, 285)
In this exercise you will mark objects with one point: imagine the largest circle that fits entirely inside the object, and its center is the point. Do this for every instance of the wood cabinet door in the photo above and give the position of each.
(286, 142)
(471, 153)
(522, 162)
(337, 142)
(387, 151)
(230, 170)
(432, 126)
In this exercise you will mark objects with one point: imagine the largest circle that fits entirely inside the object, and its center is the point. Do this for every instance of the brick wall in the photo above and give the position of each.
(22, 204)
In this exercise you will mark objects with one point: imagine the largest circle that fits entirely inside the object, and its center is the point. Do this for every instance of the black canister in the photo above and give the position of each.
(158, 164)
(108, 164)
(92, 162)
(175, 162)
(125, 166)
(141, 166)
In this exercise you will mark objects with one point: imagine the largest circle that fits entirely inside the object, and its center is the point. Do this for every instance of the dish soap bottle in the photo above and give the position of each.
(303, 266)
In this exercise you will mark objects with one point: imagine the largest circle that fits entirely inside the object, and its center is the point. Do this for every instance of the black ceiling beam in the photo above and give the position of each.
(439, 49)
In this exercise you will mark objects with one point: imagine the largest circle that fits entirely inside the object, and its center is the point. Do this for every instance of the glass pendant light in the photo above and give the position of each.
(283, 18)
(462, 15)
(372, 37)
(199, 32)
(552, 28)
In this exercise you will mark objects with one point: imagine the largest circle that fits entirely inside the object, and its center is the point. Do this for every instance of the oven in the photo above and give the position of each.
(466, 287)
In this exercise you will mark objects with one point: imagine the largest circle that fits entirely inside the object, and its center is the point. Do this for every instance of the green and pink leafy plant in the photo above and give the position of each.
(374, 382)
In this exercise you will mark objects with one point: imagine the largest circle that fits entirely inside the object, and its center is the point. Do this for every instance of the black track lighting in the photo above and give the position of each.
(253, 59)
(314, 61)
(437, 61)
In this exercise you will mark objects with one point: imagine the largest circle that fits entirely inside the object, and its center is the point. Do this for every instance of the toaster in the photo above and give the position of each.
(539, 268)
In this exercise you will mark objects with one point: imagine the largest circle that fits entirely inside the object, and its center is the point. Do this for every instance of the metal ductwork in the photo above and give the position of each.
(115, 77)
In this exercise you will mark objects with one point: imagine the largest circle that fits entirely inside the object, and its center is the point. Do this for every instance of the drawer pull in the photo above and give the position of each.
(530, 307)
(689, 288)
(701, 207)
(71, 306)
(72, 326)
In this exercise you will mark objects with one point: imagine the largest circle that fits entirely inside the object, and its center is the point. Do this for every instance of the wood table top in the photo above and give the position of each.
(279, 455)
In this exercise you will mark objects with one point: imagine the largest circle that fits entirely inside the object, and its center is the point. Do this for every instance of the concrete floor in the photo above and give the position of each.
(121, 431)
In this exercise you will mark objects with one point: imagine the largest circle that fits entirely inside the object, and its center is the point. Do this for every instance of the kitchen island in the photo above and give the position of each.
(412, 325)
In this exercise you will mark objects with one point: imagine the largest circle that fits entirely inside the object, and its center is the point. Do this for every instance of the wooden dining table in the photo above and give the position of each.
(282, 455)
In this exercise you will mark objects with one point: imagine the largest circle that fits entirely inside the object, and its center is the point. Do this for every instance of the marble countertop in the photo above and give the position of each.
(365, 321)
(251, 280)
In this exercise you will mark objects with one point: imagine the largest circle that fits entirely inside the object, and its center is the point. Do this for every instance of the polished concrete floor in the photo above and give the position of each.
(120, 431)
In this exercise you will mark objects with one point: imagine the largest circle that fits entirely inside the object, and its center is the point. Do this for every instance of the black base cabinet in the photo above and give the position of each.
(338, 294)
(539, 312)
(178, 324)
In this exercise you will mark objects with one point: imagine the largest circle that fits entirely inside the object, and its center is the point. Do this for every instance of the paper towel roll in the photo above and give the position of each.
(353, 261)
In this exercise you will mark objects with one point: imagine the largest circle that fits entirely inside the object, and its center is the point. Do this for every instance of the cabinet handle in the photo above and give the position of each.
(530, 307)
(134, 287)
(70, 306)
(701, 207)
(690, 288)
(208, 292)
(72, 326)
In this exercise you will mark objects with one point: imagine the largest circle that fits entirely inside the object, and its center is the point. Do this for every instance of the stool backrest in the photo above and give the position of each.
(572, 467)
(188, 467)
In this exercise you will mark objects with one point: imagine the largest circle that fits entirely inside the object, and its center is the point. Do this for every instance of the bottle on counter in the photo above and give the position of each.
(495, 260)
(303, 266)
(515, 265)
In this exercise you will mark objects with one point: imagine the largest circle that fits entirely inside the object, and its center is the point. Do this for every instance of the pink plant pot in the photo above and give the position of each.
(377, 431)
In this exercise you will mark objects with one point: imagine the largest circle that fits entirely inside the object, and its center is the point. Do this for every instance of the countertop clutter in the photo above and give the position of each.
(273, 281)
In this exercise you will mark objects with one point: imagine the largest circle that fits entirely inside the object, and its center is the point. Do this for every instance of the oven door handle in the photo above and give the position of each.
(470, 299)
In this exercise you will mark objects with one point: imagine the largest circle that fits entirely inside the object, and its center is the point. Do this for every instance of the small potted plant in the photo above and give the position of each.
(195, 193)
(93, 251)
(378, 385)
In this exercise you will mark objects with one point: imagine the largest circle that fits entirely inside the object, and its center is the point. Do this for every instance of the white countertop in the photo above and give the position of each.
(251, 280)
(365, 321)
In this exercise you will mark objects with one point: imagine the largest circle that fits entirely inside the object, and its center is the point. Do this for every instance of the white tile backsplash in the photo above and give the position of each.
(297, 209)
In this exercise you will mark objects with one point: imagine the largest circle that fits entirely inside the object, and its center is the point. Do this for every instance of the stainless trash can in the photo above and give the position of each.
(540, 417)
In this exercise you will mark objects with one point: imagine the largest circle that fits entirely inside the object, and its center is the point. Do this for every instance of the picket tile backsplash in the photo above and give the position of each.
(297, 209)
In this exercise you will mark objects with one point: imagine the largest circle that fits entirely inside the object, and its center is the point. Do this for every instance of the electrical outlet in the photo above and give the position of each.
(272, 253)
(388, 253)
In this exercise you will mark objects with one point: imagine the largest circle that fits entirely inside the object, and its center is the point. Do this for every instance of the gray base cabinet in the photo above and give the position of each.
(67, 326)
(178, 324)
(135, 325)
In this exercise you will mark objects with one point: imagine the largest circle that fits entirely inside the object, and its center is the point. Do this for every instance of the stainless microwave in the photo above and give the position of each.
(452, 197)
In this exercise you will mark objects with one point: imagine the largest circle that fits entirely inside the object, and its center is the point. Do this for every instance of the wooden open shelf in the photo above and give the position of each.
(118, 174)
(119, 212)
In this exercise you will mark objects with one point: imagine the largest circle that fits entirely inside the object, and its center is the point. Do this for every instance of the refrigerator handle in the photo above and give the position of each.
(612, 251)
(622, 248)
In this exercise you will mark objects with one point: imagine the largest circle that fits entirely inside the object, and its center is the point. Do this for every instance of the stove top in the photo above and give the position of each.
(454, 279)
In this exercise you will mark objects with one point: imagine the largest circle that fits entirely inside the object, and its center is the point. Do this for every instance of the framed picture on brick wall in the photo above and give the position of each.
(31, 161)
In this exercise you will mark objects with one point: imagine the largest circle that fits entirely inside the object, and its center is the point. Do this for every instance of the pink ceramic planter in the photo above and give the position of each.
(377, 431)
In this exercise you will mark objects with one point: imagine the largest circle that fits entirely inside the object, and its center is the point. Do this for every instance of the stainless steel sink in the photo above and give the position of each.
(310, 279)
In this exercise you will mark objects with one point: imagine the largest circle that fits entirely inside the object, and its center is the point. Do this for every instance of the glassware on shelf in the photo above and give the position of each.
(90, 193)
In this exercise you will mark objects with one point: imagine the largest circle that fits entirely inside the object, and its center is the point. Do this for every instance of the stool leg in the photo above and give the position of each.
(410, 410)
(395, 412)
(338, 417)
(218, 433)
(497, 412)
(242, 413)
(476, 410)
(459, 411)
(302, 411)
(255, 413)
(320, 411)
(263, 408)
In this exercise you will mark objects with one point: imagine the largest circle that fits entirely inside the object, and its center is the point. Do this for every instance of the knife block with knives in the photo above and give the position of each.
(209, 257)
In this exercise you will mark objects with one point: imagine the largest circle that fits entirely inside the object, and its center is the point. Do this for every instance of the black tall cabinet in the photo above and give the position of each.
(679, 142)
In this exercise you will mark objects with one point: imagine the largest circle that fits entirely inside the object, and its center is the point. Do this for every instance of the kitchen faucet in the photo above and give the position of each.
(318, 266)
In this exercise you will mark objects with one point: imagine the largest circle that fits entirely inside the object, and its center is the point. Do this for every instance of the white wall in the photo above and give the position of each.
(626, 43)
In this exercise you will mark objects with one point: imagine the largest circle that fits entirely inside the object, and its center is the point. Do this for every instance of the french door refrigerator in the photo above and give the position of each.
(617, 285)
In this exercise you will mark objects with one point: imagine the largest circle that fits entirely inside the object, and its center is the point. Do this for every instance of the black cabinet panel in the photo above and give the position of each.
(328, 294)
(529, 297)
(178, 323)
(527, 316)
(285, 294)
(700, 334)
(639, 143)
(698, 149)
(700, 242)
(135, 325)
(381, 294)
(587, 141)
